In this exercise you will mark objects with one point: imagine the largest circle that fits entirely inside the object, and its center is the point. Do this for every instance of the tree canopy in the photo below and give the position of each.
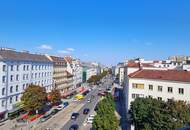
(55, 96)
(153, 114)
(95, 78)
(34, 97)
(106, 118)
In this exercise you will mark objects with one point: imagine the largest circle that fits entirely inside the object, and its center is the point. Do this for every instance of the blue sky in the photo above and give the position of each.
(107, 31)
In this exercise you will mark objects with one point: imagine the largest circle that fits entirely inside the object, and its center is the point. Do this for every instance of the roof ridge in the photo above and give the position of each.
(136, 72)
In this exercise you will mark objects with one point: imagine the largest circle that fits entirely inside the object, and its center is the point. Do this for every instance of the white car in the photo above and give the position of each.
(89, 100)
(90, 120)
(60, 107)
(92, 116)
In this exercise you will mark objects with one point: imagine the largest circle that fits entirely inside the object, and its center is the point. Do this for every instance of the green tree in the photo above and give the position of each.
(34, 97)
(55, 96)
(152, 114)
(106, 118)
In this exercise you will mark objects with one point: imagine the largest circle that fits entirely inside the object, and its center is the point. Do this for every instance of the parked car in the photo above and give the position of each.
(86, 111)
(54, 111)
(45, 117)
(74, 127)
(90, 120)
(65, 104)
(60, 107)
(92, 115)
(74, 116)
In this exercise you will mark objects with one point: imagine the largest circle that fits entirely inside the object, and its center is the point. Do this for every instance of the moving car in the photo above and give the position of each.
(89, 100)
(86, 111)
(74, 127)
(74, 116)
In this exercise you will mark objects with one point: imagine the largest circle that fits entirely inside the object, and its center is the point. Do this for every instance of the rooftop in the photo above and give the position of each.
(171, 75)
(22, 56)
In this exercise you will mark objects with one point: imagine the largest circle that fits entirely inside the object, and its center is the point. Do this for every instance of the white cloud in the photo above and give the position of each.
(70, 49)
(63, 52)
(46, 47)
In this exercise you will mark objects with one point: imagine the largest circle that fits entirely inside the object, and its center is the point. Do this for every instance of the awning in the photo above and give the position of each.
(85, 90)
(69, 93)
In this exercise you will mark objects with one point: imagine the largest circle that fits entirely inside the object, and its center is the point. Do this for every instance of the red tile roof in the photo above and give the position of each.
(69, 59)
(136, 65)
(171, 75)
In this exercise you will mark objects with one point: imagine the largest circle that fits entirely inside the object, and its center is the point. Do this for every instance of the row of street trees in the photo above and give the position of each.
(106, 118)
(153, 114)
(96, 78)
(35, 97)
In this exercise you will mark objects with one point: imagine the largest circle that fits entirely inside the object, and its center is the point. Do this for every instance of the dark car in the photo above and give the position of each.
(45, 117)
(74, 116)
(54, 111)
(74, 127)
(65, 104)
(86, 111)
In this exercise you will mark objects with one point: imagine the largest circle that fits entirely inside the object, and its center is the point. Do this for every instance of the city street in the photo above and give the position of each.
(81, 119)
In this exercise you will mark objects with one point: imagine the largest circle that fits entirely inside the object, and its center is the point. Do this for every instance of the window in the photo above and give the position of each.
(138, 86)
(17, 77)
(3, 79)
(11, 100)
(24, 67)
(181, 91)
(137, 95)
(133, 96)
(39, 75)
(160, 88)
(160, 98)
(11, 78)
(170, 90)
(150, 87)
(35, 75)
(169, 100)
(27, 76)
(32, 67)
(23, 76)
(149, 96)
(11, 89)
(3, 91)
(17, 68)
(11, 67)
(4, 67)
(32, 76)
(27, 67)
(23, 86)
(17, 88)
(16, 98)
(3, 103)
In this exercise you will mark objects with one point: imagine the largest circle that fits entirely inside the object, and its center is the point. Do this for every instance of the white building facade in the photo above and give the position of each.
(160, 84)
(17, 71)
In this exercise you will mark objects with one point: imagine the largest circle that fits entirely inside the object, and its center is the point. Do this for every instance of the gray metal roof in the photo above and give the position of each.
(22, 56)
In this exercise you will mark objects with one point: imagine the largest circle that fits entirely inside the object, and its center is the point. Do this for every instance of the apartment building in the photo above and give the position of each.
(61, 78)
(17, 71)
(160, 84)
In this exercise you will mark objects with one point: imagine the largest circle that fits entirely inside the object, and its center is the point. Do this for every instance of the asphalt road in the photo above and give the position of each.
(80, 120)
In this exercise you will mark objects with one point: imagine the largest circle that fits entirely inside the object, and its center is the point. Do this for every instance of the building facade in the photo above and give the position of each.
(61, 78)
(160, 84)
(17, 71)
